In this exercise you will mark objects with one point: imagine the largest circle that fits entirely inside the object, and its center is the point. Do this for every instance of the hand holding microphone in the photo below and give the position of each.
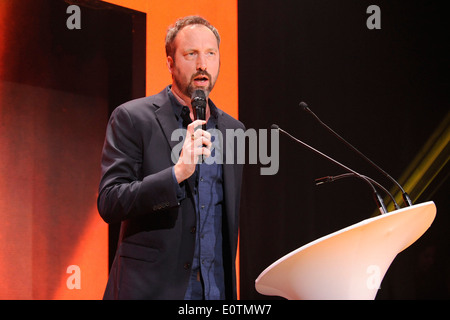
(197, 144)
(198, 103)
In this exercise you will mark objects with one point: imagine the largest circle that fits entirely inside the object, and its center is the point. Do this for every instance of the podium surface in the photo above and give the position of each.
(348, 264)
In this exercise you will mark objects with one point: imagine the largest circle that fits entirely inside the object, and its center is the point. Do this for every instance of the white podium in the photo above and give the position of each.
(347, 264)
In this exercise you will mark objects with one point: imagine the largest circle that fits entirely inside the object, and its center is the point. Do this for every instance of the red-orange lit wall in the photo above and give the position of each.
(51, 236)
(53, 244)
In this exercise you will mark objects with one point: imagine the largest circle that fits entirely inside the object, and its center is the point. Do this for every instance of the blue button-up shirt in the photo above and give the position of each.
(207, 275)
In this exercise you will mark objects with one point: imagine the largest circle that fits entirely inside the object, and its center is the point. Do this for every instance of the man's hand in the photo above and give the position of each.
(196, 143)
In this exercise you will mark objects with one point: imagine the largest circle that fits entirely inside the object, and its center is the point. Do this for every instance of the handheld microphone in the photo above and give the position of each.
(378, 200)
(406, 197)
(198, 103)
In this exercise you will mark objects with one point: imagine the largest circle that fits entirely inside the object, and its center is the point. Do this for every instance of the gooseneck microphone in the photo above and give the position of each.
(406, 197)
(349, 175)
(378, 200)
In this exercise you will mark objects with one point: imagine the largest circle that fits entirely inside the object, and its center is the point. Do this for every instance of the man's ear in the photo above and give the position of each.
(170, 64)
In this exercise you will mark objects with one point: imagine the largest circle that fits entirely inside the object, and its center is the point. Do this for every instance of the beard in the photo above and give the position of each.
(189, 88)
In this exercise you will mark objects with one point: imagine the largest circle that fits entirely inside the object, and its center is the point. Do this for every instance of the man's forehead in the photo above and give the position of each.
(195, 27)
(195, 32)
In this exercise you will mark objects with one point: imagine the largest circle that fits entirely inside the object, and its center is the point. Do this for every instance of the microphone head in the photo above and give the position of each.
(198, 102)
(274, 126)
(198, 95)
(304, 106)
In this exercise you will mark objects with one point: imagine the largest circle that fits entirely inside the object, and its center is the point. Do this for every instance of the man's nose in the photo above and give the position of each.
(201, 63)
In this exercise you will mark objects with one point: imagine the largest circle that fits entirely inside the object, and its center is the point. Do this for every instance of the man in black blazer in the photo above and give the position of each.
(179, 218)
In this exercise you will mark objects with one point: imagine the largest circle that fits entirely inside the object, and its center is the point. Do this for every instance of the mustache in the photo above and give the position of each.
(201, 73)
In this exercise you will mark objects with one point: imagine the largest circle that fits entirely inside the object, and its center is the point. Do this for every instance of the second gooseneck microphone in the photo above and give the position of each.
(377, 197)
(349, 175)
(406, 197)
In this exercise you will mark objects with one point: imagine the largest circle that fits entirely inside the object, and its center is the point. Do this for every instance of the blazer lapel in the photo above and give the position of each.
(166, 118)
(168, 122)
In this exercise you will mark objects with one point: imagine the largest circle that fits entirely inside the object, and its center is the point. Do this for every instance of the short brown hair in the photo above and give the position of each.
(173, 30)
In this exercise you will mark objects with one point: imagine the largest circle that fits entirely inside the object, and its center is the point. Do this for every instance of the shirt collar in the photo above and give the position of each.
(178, 107)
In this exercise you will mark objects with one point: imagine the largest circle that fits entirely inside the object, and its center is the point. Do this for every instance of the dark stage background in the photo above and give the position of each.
(386, 91)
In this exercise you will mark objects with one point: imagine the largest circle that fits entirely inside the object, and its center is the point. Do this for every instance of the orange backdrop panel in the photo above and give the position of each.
(50, 145)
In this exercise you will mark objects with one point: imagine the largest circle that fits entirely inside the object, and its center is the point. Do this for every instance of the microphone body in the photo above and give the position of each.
(378, 200)
(198, 103)
(405, 195)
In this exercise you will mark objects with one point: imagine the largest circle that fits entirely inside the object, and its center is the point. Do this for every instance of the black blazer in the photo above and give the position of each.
(157, 235)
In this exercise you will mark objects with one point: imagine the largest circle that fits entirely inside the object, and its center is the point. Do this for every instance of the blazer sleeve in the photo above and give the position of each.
(123, 192)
